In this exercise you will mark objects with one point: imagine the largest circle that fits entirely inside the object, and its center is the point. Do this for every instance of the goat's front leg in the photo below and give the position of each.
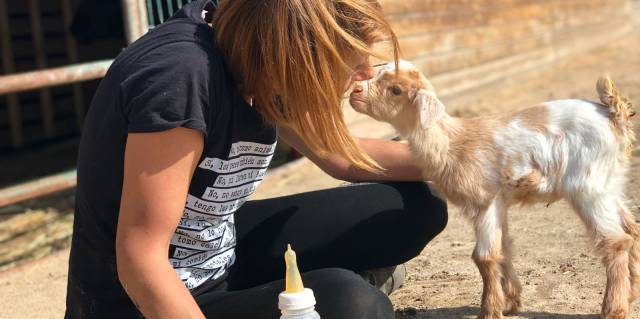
(510, 283)
(488, 257)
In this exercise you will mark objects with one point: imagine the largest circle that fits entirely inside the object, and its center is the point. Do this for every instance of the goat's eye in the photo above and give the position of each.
(396, 90)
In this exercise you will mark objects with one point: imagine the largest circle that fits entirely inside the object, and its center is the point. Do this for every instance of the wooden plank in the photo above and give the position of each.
(23, 48)
(393, 8)
(497, 12)
(397, 8)
(438, 43)
(442, 42)
(13, 104)
(22, 27)
(48, 115)
(467, 58)
(420, 22)
(72, 53)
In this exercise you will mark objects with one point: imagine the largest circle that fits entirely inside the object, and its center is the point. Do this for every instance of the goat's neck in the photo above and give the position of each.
(432, 146)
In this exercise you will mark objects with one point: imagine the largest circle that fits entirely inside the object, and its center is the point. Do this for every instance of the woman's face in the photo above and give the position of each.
(362, 69)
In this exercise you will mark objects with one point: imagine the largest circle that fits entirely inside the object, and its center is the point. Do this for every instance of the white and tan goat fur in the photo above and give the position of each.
(572, 149)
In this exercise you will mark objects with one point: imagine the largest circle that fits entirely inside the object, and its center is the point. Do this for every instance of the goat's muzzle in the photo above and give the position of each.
(358, 99)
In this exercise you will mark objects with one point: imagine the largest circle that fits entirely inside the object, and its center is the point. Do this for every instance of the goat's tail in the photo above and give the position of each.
(620, 111)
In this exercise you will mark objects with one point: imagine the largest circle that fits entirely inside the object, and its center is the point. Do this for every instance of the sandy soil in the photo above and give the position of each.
(561, 276)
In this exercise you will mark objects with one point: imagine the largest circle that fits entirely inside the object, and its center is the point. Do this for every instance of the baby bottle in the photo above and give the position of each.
(296, 301)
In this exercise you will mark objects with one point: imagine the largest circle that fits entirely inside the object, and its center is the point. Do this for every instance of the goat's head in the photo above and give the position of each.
(405, 99)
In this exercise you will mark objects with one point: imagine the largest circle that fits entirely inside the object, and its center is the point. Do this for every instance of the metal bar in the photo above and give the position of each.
(26, 81)
(72, 53)
(159, 10)
(46, 103)
(150, 11)
(142, 15)
(135, 19)
(170, 7)
(13, 103)
(38, 187)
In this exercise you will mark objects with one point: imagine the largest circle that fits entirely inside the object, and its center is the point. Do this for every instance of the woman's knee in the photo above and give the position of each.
(341, 293)
(425, 216)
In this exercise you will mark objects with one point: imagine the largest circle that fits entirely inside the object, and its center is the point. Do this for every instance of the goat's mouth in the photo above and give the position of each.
(358, 99)
(357, 93)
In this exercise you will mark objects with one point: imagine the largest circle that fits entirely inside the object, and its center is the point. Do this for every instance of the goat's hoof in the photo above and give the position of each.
(511, 311)
(512, 307)
(618, 314)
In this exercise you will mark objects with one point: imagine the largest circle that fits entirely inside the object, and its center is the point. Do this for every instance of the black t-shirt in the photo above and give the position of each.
(172, 76)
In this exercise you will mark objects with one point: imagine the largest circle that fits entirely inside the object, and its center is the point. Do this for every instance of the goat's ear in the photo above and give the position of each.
(429, 108)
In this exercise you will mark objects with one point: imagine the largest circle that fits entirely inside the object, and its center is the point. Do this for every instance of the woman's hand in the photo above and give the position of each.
(157, 173)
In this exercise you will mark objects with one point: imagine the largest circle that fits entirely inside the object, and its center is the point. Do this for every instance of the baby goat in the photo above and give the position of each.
(572, 149)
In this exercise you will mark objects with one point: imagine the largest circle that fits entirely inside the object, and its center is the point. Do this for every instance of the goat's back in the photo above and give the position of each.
(560, 147)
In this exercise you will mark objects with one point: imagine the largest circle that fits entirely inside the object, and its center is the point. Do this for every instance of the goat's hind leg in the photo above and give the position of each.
(602, 216)
(615, 251)
(632, 228)
(488, 257)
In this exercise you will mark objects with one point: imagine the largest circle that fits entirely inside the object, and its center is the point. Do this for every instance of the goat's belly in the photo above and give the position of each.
(530, 197)
(533, 186)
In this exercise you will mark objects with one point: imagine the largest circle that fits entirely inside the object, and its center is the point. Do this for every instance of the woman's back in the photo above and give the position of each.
(171, 77)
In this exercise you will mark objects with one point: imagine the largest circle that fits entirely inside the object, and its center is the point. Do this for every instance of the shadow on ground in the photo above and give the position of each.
(471, 313)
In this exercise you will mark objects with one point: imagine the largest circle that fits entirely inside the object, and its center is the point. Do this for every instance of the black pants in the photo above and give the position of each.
(334, 233)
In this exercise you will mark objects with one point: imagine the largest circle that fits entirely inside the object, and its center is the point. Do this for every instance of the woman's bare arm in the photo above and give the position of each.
(157, 172)
(394, 156)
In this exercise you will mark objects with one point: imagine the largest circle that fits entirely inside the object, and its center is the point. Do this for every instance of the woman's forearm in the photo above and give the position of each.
(395, 157)
(155, 287)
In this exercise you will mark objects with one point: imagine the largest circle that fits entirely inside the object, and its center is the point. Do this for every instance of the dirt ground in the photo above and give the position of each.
(561, 276)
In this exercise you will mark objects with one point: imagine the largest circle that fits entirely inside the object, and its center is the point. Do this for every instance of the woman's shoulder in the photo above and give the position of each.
(180, 42)
(170, 48)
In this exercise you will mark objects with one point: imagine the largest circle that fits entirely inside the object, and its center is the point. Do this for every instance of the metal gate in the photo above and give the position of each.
(138, 17)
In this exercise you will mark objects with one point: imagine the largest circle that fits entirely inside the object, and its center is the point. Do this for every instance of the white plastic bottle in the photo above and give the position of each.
(298, 305)
(296, 302)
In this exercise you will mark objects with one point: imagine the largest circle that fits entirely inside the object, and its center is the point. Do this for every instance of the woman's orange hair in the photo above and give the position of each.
(291, 56)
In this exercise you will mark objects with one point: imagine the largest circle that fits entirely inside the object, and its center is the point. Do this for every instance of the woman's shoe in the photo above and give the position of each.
(387, 279)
